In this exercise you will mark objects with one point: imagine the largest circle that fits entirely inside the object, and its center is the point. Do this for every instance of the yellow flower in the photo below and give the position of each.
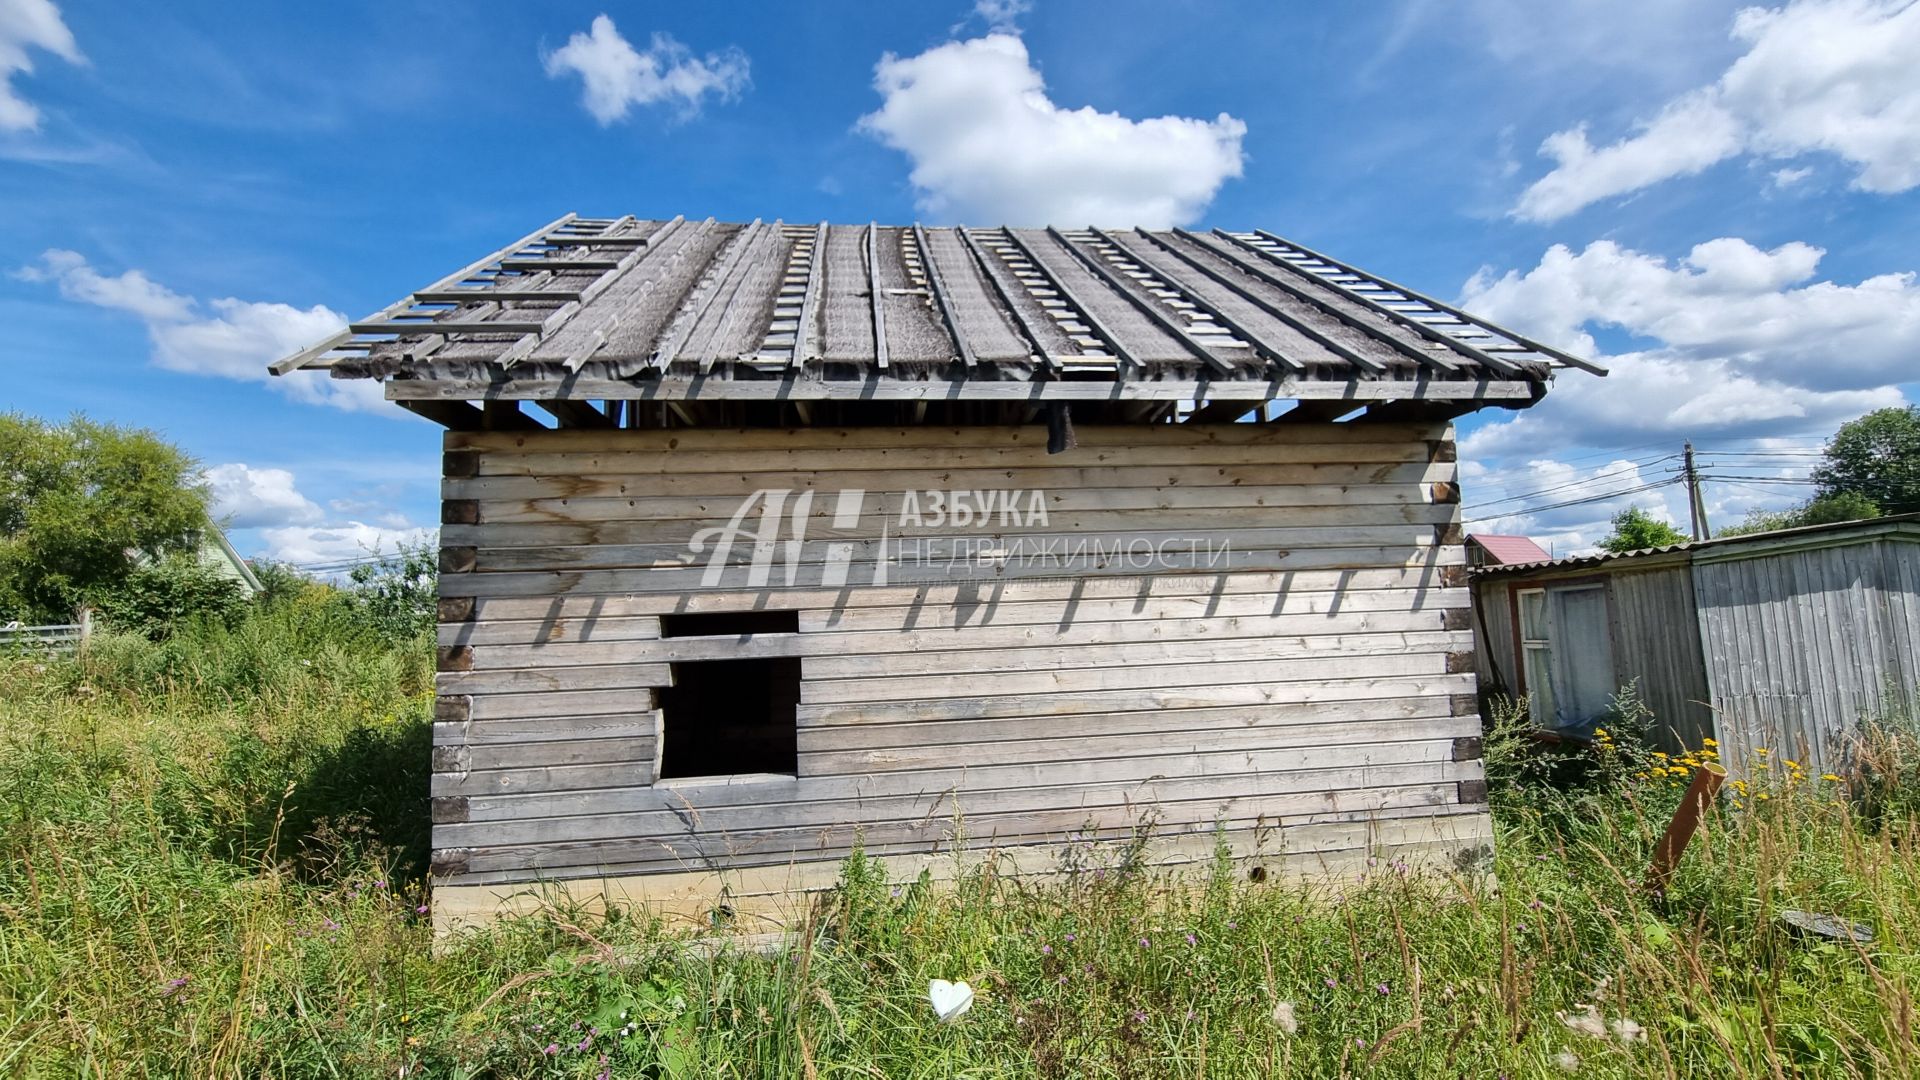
(1709, 742)
(1791, 764)
(1764, 795)
(1760, 750)
(1829, 777)
(1660, 755)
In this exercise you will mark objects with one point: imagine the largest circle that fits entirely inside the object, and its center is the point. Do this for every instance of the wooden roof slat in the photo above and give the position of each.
(1146, 307)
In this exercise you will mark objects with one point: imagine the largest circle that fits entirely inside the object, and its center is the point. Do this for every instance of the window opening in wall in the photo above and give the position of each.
(730, 716)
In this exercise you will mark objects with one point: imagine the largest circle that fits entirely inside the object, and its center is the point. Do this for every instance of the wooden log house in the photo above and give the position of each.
(765, 541)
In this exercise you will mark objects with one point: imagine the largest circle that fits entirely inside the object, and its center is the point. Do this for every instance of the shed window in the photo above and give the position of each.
(731, 715)
(1536, 646)
(1566, 654)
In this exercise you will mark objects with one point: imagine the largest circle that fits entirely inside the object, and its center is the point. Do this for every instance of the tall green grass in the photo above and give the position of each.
(210, 858)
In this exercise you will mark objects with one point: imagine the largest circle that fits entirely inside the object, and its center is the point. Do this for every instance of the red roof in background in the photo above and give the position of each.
(1511, 549)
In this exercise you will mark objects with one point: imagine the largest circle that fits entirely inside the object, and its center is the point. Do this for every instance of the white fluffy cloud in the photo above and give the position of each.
(236, 341)
(335, 543)
(1741, 344)
(26, 25)
(1744, 315)
(617, 77)
(1828, 76)
(989, 146)
(248, 498)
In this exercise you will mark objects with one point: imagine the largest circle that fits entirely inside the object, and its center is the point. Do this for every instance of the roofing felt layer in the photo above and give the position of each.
(632, 308)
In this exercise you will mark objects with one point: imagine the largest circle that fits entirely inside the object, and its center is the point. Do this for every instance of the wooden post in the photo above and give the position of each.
(1666, 855)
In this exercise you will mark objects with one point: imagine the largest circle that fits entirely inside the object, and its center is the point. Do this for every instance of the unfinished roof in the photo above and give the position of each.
(680, 310)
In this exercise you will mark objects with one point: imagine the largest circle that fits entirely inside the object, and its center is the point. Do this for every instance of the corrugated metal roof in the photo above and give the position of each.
(703, 308)
(1511, 549)
(1905, 524)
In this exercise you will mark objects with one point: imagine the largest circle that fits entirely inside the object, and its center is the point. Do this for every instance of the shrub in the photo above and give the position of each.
(158, 597)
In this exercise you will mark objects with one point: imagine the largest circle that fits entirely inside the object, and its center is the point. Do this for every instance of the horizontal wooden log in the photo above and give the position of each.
(978, 734)
(1288, 633)
(621, 813)
(938, 437)
(1409, 816)
(910, 460)
(486, 685)
(916, 689)
(612, 593)
(683, 579)
(1082, 702)
(1050, 476)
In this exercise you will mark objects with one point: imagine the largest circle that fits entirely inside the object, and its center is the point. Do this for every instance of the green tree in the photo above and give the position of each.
(1634, 529)
(1823, 510)
(1878, 457)
(82, 505)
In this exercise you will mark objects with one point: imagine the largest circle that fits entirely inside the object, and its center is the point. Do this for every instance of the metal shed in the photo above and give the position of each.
(822, 536)
(1783, 640)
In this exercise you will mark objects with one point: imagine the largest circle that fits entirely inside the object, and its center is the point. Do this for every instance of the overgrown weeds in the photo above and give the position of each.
(208, 859)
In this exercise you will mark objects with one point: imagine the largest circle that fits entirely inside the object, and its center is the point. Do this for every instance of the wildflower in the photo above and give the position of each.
(552, 1049)
(1535, 904)
(1830, 778)
(1791, 764)
(1361, 1043)
(1587, 1021)
(1709, 742)
(1046, 950)
(379, 884)
(1144, 943)
(174, 986)
(329, 924)
(1232, 925)
(1383, 988)
(1567, 1060)
(421, 910)
(1284, 1019)
(1191, 940)
(1628, 1032)
(1330, 984)
(1139, 1017)
(1069, 939)
(1762, 751)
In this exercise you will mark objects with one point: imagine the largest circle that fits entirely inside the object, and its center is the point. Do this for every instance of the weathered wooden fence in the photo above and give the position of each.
(59, 637)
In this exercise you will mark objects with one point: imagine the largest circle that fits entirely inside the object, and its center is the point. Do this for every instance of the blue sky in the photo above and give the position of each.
(187, 188)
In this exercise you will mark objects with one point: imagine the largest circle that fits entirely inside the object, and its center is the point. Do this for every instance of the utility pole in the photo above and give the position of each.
(1696, 502)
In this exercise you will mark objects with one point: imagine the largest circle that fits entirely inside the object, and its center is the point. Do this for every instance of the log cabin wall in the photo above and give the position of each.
(1305, 684)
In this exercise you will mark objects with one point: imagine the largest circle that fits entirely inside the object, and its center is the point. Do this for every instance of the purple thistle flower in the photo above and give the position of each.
(552, 1049)
(1069, 939)
(1191, 940)
(379, 884)
(329, 924)
(1384, 989)
(421, 910)
(1331, 985)
(1139, 1017)
(1144, 943)
(1361, 1043)
(1046, 950)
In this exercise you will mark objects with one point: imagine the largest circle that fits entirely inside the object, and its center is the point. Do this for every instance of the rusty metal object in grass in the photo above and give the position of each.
(1666, 855)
